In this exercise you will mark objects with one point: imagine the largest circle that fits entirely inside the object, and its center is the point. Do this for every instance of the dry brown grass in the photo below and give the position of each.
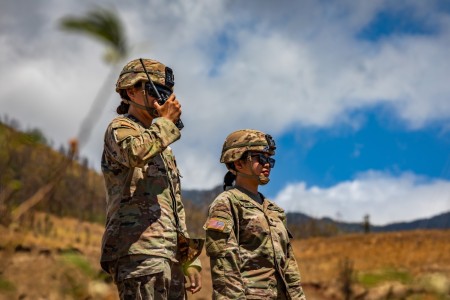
(415, 251)
(35, 262)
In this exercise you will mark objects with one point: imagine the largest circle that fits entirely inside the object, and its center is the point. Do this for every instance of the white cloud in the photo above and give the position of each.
(386, 198)
(290, 63)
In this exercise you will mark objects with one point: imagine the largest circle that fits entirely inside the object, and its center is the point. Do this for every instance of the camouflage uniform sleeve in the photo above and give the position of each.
(223, 249)
(137, 145)
(180, 210)
(182, 217)
(292, 272)
(196, 263)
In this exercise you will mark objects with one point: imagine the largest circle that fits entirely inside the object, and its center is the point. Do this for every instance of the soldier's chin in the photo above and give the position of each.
(263, 180)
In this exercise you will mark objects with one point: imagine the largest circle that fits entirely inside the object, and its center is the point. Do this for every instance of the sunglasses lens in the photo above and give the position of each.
(272, 162)
(269, 160)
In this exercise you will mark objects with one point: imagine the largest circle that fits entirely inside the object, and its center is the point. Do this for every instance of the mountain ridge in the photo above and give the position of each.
(298, 221)
(28, 163)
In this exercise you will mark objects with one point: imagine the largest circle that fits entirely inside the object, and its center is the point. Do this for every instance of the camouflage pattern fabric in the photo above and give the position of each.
(188, 249)
(151, 287)
(133, 72)
(166, 281)
(240, 141)
(250, 251)
(136, 165)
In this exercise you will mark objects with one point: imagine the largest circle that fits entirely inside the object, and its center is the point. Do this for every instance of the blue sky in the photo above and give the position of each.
(325, 157)
(355, 93)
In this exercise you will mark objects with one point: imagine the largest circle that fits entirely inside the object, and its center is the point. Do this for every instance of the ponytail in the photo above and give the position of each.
(228, 180)
(122, 108)
(230, 177)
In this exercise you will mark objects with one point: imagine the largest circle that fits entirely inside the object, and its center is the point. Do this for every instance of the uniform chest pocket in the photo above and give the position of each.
(253, 227)
(272, 221)
(155, 168)
(274, 216)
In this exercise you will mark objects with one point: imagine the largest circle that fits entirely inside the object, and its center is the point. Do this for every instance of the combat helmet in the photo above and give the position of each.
(244, 140)
(133, 72)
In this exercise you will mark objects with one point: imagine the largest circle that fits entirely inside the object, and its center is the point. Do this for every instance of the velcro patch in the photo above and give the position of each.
(215, 224)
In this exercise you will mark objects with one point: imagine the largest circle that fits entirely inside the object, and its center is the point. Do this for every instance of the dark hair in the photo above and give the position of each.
(229, 177)
(228, 180)
(123, 107)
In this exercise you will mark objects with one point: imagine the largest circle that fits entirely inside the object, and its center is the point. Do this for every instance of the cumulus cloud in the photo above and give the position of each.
(384, 197)
(256, 64)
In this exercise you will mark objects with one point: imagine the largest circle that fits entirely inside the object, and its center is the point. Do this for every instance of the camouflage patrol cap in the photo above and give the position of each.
(246, 140)
(133, 72)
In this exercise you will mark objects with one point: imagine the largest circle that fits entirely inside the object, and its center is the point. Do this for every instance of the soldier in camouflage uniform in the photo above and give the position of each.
(142, 180)
(246, 235)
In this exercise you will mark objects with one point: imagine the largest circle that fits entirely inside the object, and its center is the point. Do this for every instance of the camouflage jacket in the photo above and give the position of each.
(250, 251)
(137, 164)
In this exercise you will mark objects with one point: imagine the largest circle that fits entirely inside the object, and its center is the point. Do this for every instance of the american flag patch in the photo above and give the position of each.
(216, 224)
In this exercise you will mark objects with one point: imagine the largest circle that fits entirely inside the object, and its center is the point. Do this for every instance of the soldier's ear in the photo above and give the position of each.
(238, 164)
(131, 92)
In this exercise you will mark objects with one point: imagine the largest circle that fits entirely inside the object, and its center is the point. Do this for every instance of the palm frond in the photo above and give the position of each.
(101, 24)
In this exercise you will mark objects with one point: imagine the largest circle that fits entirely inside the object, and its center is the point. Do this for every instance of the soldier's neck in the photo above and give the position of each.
(142, 115)
(247, 183)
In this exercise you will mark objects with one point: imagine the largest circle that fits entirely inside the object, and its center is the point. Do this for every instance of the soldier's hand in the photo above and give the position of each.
(171, 109)
(195, 280)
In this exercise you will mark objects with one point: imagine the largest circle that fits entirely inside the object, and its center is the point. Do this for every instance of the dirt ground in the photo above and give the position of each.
(62, 263)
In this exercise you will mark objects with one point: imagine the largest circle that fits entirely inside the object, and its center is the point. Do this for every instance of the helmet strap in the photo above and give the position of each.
(235, 173)
(262, 179)
(152, 111)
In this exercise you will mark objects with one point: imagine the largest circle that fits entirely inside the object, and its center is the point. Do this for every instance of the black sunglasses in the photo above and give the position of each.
(264, 159)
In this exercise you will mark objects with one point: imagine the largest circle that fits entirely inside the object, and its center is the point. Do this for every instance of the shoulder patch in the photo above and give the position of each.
(123, 128)
(215, 224)
(122, 121)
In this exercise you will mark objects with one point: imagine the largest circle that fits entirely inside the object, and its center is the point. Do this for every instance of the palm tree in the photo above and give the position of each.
(105, 26)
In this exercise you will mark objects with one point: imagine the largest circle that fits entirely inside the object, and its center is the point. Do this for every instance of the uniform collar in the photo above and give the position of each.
(134, 119)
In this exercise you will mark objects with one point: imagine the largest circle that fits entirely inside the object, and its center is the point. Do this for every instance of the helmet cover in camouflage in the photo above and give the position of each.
(133, 72)
(246, 140)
